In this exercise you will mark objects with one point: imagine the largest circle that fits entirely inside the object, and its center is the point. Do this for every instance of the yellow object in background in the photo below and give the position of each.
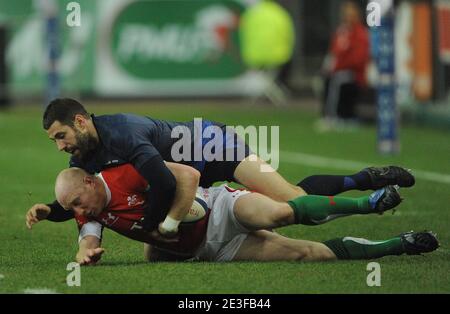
(267, 35)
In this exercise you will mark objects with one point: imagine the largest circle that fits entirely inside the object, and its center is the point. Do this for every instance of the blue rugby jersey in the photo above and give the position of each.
(128, 138)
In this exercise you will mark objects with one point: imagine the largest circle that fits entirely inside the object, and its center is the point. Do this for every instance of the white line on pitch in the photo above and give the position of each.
(350, 165)
(39, 291)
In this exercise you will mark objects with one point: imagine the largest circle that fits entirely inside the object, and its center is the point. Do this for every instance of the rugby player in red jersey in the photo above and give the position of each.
(235, 226)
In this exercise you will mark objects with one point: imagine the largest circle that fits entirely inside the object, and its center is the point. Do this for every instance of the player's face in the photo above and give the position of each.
(72, 140)
(64, 137)
(86, 201)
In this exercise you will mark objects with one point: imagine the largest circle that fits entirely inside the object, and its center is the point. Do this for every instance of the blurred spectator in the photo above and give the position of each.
(344, 68)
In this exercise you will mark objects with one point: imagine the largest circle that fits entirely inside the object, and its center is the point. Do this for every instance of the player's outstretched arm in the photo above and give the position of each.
(53, 212)
(58, 213)
(89, 252)
(35, 214)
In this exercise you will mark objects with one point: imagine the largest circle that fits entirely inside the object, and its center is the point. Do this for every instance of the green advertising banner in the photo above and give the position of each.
(178, 39)
(175, 48)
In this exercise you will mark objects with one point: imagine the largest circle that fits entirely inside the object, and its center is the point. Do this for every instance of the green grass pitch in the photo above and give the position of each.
(35, 259)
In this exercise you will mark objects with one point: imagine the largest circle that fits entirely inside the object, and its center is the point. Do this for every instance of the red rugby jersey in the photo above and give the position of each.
(126, 191)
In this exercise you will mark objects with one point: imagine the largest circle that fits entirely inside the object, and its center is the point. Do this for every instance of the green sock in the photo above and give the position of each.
(315, 210)
(357, 248)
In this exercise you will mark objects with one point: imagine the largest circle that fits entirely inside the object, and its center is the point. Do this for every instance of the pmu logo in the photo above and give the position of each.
(207, 37)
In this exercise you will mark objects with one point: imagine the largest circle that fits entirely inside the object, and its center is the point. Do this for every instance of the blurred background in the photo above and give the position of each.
(349, 84)
(279, 53)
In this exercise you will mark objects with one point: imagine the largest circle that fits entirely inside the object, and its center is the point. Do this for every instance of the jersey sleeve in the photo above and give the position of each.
(88, 227)
(58, 213)
(162, 190)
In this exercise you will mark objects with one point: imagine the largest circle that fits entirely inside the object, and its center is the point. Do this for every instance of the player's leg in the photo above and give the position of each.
(256, 175)
(371, 178)
(255, 211)
(267, 246)
(268, 182)
(272, 184)
(315, 209)
(411, 243)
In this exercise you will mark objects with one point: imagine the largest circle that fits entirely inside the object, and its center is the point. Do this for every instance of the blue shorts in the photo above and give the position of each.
(220, 154)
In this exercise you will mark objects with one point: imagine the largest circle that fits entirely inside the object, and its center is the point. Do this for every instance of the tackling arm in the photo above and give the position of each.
(187, 183)
(161, 195)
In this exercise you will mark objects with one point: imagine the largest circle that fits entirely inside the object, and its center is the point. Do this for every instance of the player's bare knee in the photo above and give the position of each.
(282, 215)
(324, 253)
(299, 190)
(301, 254)
(307, 253)
(319, 252)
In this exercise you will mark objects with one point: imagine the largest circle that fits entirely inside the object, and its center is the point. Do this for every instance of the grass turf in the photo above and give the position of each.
(37, 259)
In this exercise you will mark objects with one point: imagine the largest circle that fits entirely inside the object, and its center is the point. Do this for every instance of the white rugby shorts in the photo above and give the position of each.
(224, 235)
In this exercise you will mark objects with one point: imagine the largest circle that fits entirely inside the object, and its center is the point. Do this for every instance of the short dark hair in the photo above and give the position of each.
(63, 110)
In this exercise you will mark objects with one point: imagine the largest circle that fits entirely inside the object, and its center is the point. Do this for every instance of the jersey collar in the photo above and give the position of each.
(108, 191)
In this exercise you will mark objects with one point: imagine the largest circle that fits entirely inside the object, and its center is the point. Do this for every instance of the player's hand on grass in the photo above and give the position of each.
(36, 213)
(90, 256)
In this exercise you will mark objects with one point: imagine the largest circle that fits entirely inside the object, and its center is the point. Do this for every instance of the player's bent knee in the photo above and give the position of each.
(312, 253)
(299, 190)
(318, 252)
(282, 215)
